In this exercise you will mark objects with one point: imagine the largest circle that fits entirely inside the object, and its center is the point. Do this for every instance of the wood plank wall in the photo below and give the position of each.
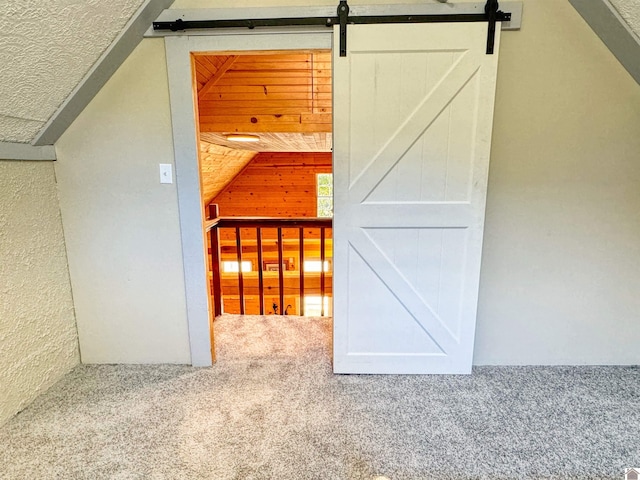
(278, 184)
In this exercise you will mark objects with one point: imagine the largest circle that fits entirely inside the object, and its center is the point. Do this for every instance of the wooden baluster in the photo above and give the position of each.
(214, 238)
(240, 275)
(280, 271)
(301, 267)
(260, 275)
(322, 256)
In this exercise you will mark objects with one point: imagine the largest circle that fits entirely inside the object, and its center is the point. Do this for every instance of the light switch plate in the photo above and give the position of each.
(166, 173)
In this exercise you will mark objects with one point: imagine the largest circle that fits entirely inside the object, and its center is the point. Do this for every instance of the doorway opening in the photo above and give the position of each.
(264, 124)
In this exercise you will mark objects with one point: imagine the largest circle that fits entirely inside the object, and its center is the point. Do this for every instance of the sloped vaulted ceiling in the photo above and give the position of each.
(46, 47)
(629, 10)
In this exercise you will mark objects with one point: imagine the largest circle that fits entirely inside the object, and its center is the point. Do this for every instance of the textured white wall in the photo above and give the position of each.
(561, 264)
(46, 48)
(121, 224)
(38, 339)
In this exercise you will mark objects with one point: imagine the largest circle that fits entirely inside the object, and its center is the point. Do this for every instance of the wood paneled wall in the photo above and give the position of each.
(275, 185)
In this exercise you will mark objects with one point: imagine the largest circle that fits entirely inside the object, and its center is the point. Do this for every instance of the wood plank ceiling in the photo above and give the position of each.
(218, 166)
(283, 97)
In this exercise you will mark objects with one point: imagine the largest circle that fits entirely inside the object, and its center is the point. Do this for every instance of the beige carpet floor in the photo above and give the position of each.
(271, 409)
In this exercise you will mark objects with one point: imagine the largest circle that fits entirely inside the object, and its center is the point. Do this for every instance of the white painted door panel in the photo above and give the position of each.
(413, 111)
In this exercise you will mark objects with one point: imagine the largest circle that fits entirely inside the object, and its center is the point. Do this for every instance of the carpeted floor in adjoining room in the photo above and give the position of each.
(271, 409)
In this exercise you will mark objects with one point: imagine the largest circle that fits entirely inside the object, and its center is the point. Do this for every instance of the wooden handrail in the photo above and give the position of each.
(267, 222)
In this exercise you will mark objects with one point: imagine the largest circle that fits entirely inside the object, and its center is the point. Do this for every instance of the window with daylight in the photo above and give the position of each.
(324, 189)
(313, 306)
(314, 265)
(230, 266)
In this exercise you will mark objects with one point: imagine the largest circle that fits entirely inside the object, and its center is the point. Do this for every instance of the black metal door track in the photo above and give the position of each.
(491, 15)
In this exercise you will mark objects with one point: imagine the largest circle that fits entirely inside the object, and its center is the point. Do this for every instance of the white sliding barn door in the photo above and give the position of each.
(413, 111)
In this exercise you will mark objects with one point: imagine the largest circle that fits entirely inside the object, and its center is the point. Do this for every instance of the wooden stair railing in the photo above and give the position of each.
(237, 224)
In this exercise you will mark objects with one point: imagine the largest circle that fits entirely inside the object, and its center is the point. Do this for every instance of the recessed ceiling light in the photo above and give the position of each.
(237, 137)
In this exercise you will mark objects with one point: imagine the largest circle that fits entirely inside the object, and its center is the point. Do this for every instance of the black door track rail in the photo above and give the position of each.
(491, 15)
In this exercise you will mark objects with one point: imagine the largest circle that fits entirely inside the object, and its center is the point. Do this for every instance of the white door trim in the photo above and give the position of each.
(185, 145)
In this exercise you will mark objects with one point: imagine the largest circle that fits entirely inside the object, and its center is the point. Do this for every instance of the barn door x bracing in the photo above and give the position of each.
(413, 111)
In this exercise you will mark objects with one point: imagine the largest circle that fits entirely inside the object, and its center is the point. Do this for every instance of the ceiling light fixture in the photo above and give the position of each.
(237, 137)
